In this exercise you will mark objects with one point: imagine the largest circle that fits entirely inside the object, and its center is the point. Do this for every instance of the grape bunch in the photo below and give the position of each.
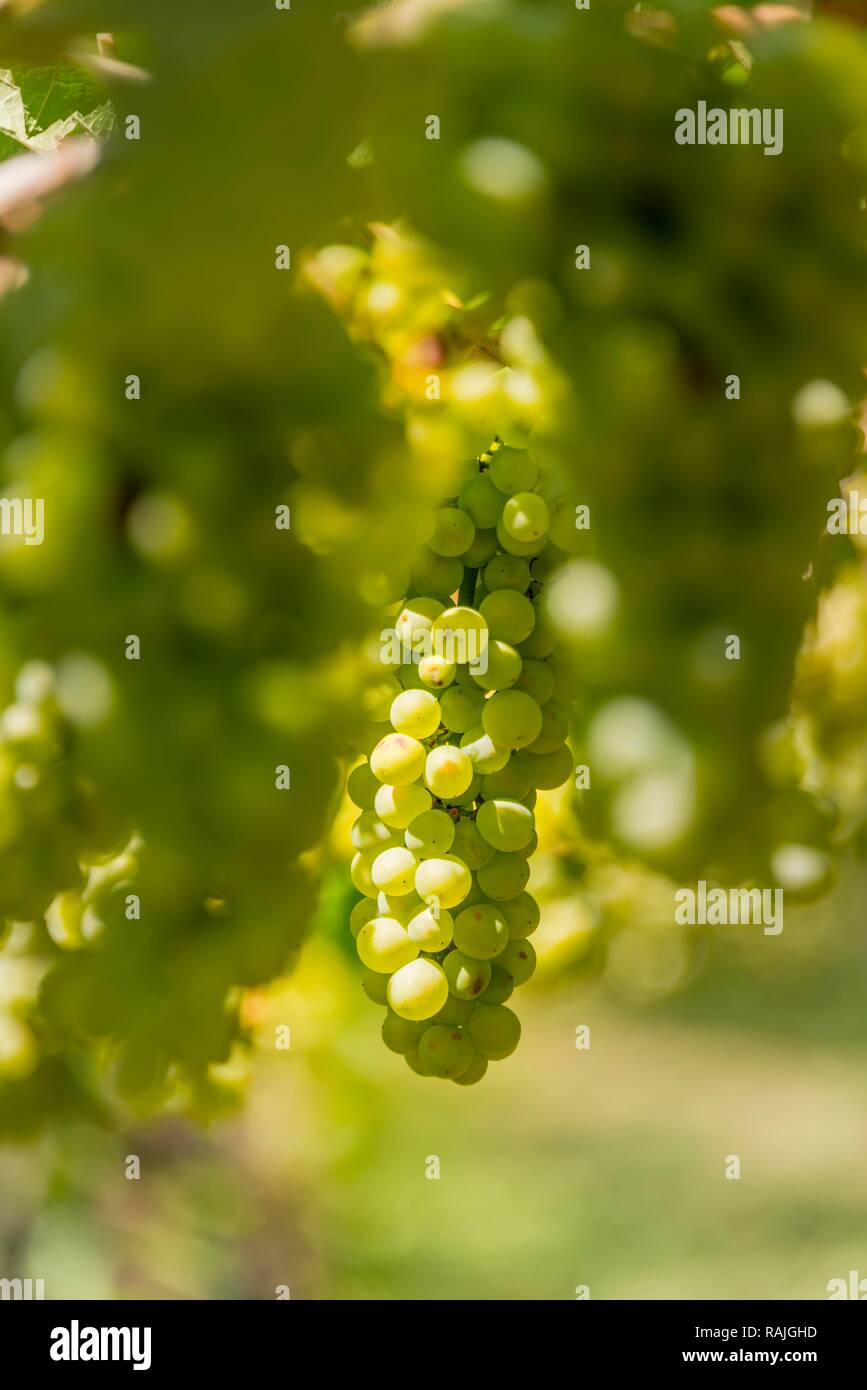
(479, 709)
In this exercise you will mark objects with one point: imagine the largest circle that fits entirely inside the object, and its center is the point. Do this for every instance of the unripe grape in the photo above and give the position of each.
(376, 699)
(500, 989)
(511, 718)
(411, 1059)
(409, 677)
(483, 549)
(402, 907)
(436, 574)
(501, 663)
(512, 470)
(398, 760)
(453, 532)
(474, 1072)
(483, 752)
(481, 501)
(529, 849)
(384, 945)
(416, 713)
(418, 990)
(481, 932)
(369, 832)
(555, 728)
(459, 634)
(448, 771)
(527, 549)
(510, 616)
(504, 877)
(543, 638)
(526, 517)
(415, 620)
(512, 780)
(361, 914)
(506, 825)
(360, 872)
(430, 834)
(466, 976)
(431, 933)
(375, 986)
(470, 846)
(536, 680)
(550, 770)
(446, 880)
(444, 1051)
(362, 786)
(454, 1011)
(494, 1031)
(401, 1035)
(466, 798)
(397, 806)
(394, 871)
(461, 708)
(508, 572)
(522, 914)
(518, 960)
(435, 672)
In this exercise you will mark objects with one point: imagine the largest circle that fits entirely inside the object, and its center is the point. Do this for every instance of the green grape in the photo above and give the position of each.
(418, 990)
(398, 760)
(461, 708)
(504, 877)
(511, 718)
(522, 914)
(555, 728)
(454, 1011)
(529, 799)
(362, 786)
(360, 872)
(481, 501)
(466, 798)
(384, 945)
(527, 549)
(543, 639)
(512, 470)
(483, 549)
(402, 907)
(401, 1035)
(445, 880)
(448, 771)
(501, 663)
(550, 770)
(536, 680)
(518, 960)
(436, 673)
(466, 976)
(430, 834)
(361, 914)
(375, 986)
(414, 623)
(526, 517)
(494, 1031)
(481, 932)
(512, 780)
(529, 849)
(459, 634)
(409, 677)
(369, 832)
(501, 988)
(474, 1072)
(393, 870)
(506, 825)
(483, 752)
(376, 699)
(415, 713)
(453, 532)
(436, 574)
(508, 572)
(469, 845)
(412, 1061)
(563, 531)
(431, 932)
(510, 616)
(397, 806)
(19, 1054)
(444, 1051)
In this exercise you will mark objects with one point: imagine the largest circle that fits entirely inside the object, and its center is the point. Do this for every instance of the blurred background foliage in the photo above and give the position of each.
(309, 388)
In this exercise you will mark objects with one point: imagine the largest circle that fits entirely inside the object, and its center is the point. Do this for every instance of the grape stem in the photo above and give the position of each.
(467, 591)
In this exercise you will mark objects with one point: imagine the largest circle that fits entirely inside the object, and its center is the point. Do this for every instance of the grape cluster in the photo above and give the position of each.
(479, 712)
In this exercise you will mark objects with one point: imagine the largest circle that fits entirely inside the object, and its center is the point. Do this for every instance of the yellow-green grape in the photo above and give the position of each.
(414, 623)
(483, 549)
(518, 960)
(376, 699)
(526, 517)
(431, 932)
(512, 781)
(448, 771)
(384, 945)
(416, 713)
(430, 834)
(435, 672)
(466, 798)
(63, 919)
(522, 914)
(536, 680)
(543, 639)
(506, 825)
(398, 760)
(361, 914)
(481, 501)
(563, 531)
(401, 1035)
(512, 471)
(507, 572)
(555, 728)
(474, 1072)
(18, 1051)
(401, 906)
(445, 880)
(369, 832)
(461, 708)
(494, 1031)
(512, 546)
(375, 986)
(550, 770)
(436, 574)
(470, 846)
(393, 871)
(444, 1051)
(481, 932)
(397, 806)
(511, 617)
(454, 1011)
(484, 754)
(500, 989)
(418, 990)
(453, 532)
(466, 976)
(362, 786)
(409, 677)
(360, 873)
(504, 877)
(529, 849)
(460, 634)
(499, 667)
(511, 718)
(411, 1059)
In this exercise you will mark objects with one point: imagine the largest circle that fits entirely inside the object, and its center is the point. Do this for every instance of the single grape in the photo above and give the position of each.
(474, 1072)
(494, 1031)
(505, 877)
(483, 752)
(415, 713)
(394, 870)
(431, 932)
(522, 914)
(501, 988)
(526, 517)
(466, 798)
(454, 1011)
(506, 825)
(536, 680)
(375, 986)
(508, 572)
(369, 832)
(543, 639)
(360, 872)
(511, 718)
(481, 932)
(435, 672)
(529, 849)
(418, 990)
(397, 806)
(445, 880)
(555, 728)
(512, 780)
(453, 532)
(499, 666)
(409, 677)
(384, 945)
(401, 1035)
(430, 834)
(550, 770)
(527, 549)
(398, 760)
(361, 914)
(470, 846)
(362, 786)
(436, 574)
(412, 1061)
(483, 549)
(511, 617)
(376, 699)
(414, 622)
(518, 960)
(512, 470)
(481, 501)
(461, 708)
(459, 634)
(444, 1051)
(448, 771)
(466, 976)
